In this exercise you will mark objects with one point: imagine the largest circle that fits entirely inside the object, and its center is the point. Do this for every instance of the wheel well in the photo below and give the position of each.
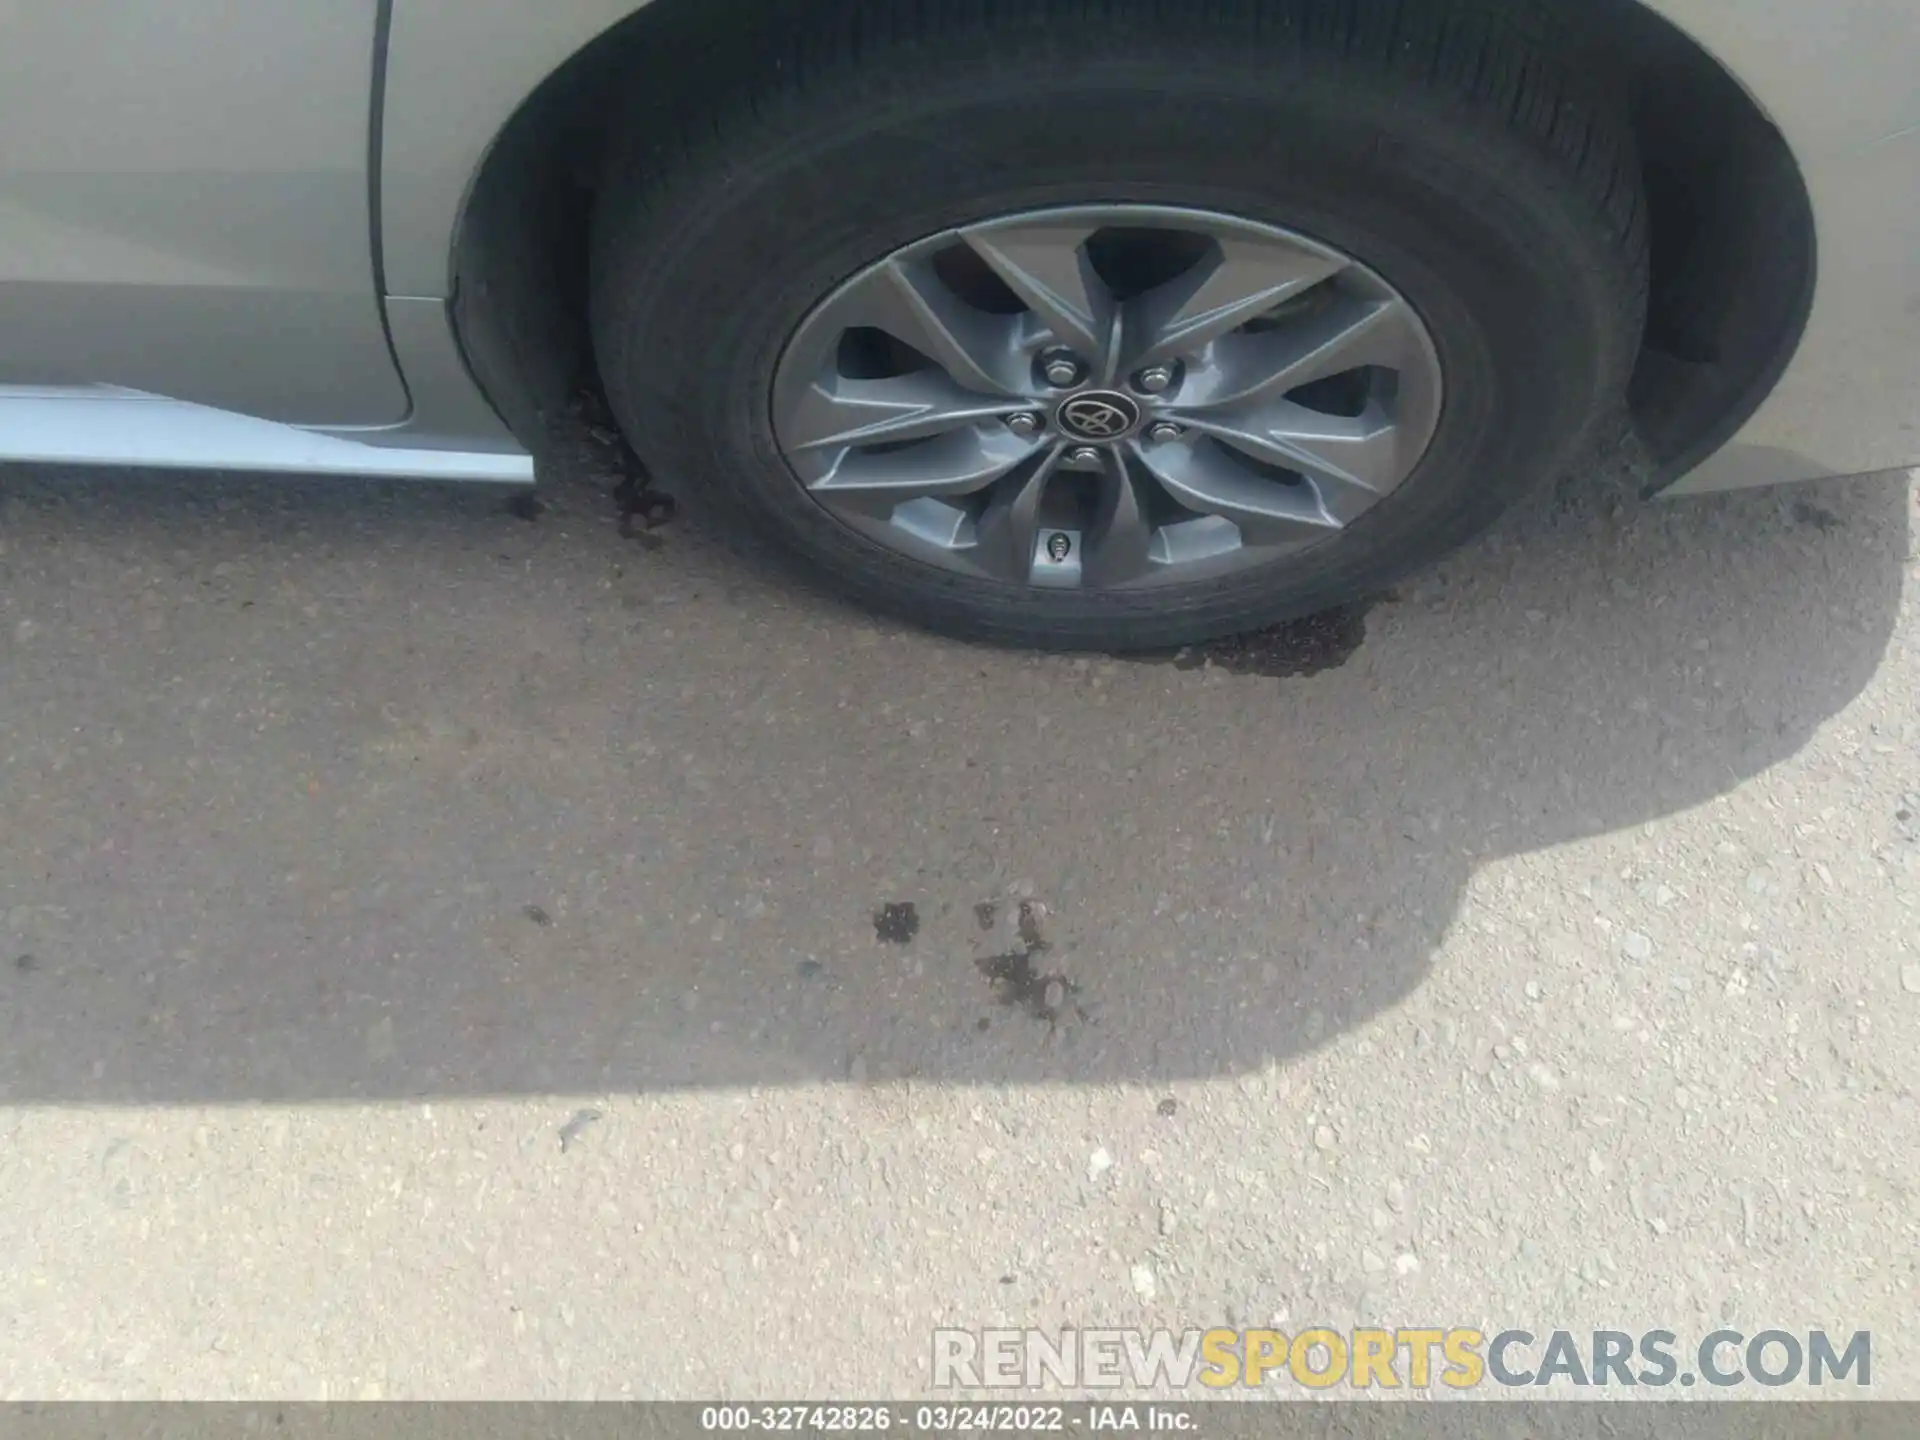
(1730, 225)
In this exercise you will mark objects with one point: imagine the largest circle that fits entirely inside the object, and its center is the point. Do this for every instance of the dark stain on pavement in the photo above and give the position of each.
(1028, 928)
(1817, 516)
(1324, 641)
(640, 505)
(896, 923)
(641, 508)
(1020, 984)
(524, 507)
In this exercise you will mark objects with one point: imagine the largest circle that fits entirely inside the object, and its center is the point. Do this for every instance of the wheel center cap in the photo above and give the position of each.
(1098, 415)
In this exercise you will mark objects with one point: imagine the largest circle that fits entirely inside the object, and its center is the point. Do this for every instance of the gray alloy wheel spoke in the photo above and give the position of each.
(1350, 332)
(907, 300)
(838, 412)
(1350, 461)
(1237, 281)
(1204, 477)
(1119, 542)
(1062, 417)
(1009, 527)
(960, 462)
(1047, 266)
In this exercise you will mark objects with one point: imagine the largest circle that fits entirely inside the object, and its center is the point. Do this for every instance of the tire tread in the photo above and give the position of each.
(1512, 69)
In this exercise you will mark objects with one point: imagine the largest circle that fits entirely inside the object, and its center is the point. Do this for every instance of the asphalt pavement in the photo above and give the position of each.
(459, 949)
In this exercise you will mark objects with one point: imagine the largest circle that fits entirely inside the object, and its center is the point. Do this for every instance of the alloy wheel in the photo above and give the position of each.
(1107, 396)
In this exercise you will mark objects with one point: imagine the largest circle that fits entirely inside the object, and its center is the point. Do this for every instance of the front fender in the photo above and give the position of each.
(457, 71)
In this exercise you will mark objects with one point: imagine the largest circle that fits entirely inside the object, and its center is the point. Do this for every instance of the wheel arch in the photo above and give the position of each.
(1731, 225)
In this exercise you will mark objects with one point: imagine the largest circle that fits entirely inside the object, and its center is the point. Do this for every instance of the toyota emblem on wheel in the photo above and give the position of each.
(1102, 415)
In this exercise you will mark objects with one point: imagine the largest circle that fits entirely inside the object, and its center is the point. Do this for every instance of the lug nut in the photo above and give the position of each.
(1025, 424)
(1163, 430)
(1084, 455)
(1154, 379)
(1061, 368)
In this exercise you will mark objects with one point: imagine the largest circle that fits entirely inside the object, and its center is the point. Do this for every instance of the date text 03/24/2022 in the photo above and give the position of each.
(961, 1419)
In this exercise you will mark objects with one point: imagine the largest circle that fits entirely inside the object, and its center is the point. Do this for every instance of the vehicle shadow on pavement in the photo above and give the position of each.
(311, 793)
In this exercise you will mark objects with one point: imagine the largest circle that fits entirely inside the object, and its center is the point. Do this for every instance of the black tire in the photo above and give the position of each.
(1443, 147)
